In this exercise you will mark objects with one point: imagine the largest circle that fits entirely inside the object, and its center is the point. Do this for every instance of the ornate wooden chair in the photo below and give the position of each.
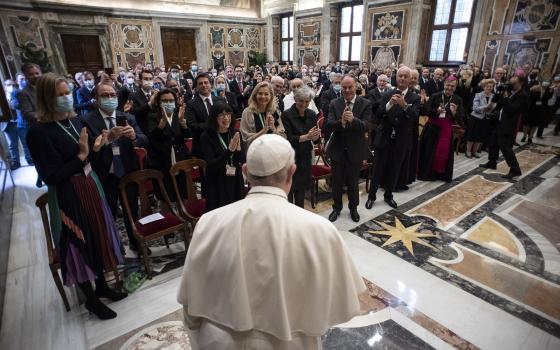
(192, 207)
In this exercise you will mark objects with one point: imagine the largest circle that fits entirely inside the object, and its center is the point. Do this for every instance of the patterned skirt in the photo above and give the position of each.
(83, 228)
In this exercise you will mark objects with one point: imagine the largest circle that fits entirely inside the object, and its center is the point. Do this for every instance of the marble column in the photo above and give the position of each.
(325, 35)
(476, 34)
(414, 32)
(269, 39)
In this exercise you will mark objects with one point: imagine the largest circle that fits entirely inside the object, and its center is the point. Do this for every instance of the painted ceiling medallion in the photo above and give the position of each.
(406, 235)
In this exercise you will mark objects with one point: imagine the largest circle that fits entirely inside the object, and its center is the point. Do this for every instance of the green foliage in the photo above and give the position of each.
(31, 54)
(257, 58)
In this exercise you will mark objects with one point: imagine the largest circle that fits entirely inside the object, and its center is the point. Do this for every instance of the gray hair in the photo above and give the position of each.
(277, 78)
(334, 75)
(382, 77)
(303, 93)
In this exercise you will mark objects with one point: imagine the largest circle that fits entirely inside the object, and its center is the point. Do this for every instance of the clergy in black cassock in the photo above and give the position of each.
(444, 110)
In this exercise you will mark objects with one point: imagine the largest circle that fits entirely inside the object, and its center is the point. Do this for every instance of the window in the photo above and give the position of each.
(350, 43)
(287, 39)
(450, 32)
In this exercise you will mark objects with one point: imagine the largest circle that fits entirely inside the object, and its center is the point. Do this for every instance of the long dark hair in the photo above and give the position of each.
(217, 108)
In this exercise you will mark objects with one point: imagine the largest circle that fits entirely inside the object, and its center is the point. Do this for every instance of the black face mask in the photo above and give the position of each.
(533, 75)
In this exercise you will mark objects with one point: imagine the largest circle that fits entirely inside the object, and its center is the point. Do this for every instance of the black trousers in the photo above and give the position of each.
(345, 172)
(502, 142)
(387, 164)
(297, 197)
(112, 194)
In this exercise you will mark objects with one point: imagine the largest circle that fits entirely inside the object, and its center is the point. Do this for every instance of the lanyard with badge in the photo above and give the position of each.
(230, 169)
(444, 105)
(262, 120)
(76, 138)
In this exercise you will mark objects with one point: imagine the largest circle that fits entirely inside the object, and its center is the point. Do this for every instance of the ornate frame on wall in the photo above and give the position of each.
(390, 53)
(387, 22)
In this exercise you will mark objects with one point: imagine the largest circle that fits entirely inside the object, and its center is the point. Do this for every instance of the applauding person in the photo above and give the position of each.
(221, 148)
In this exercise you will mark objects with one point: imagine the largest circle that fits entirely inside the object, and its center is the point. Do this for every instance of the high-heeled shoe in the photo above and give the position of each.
(96, 307)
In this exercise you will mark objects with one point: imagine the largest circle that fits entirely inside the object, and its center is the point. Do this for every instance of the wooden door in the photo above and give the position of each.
(82, 52)
(178, 46)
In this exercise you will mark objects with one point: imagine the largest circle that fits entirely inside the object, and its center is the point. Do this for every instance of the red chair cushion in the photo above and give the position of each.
(196, 207)
(195, 174)
(169, 220)
(320, 170)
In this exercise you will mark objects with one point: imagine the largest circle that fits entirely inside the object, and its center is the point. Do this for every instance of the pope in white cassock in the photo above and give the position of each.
(262, 273)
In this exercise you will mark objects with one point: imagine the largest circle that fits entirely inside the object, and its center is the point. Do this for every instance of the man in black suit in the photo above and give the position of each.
(141, 105)
(278, 86)
(425, 77)
(193, 71)
(397, 115)
(127, 89)
(510, 107)
(117, 158)
(375, 94)
(85, 101)
(435, 84)
(348, 121)
(334, 92)
(198, 110)
(240, 87)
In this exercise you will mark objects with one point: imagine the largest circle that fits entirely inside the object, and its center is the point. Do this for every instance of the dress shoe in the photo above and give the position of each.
(540, 137)
(512, 174)
(524, 139)
(334, 215)
(110, 294)
(100, 310)
(354, 215)
(488, 165)
(475, 155)
(469, 156)
(530, 141)
(391, 202)
(369, 202)
(15, 166)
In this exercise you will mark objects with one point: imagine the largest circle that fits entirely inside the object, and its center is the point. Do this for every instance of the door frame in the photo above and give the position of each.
(59, 58)
(200, 30)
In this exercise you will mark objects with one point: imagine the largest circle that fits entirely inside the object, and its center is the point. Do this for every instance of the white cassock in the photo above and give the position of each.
(263, 274)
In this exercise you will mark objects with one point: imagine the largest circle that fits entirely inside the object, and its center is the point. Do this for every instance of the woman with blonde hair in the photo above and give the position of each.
(261, 117)
(82, 226)
(480, 118)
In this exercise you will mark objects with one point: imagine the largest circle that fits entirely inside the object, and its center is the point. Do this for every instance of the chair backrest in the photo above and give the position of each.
(188, 143)
(141, 153)
(188, 167)
(139, 178)
(238, 124)
(41, 203)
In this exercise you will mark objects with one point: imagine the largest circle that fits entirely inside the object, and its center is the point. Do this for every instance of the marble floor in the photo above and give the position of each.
(473, 264)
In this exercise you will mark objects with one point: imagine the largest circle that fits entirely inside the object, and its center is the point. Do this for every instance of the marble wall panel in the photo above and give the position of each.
(491, 51)
(132, 42)
(230, 43)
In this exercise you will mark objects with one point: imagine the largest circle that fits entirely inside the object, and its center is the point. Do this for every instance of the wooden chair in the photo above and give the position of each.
(458, 132)
(170, 223)
(54, 263)
(319, 171)
(192, 207)
(142, 154)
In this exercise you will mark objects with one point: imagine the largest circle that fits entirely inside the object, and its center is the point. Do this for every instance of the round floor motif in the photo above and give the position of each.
(166, 335)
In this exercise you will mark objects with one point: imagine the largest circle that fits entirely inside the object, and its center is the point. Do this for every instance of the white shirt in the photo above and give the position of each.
(113, 118)
(204, 98)
(351, 104)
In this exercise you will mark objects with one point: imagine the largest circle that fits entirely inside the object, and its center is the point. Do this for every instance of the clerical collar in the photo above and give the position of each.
(275, 191)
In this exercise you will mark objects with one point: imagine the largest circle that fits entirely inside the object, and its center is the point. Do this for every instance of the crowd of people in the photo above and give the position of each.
(80, 132)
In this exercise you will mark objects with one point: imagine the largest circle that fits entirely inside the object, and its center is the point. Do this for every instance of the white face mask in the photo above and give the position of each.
(130, 81)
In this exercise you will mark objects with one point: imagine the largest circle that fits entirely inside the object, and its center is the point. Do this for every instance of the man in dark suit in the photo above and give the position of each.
(193, 71)
(425, 78)
(198, 110)
(240, 87)
(118, 157)
(85, 101)
(348, 121)
(278, 86)
(141, 105)
(510, 107)
(397, 115)
(375, 94)
(435, 84)
(126, 90)
(334, 92)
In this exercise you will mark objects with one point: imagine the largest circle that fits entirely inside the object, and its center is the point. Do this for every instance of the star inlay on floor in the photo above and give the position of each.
(406, 235)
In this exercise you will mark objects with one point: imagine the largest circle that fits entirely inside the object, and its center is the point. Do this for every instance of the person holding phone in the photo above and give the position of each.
(300, 123)
(167, 131)
(220, 144)
(117, 157)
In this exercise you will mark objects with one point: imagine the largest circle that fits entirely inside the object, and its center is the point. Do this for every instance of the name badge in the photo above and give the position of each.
(538, 103)
(116, 150)
(442, 115)
(230, 170)
(87, 169)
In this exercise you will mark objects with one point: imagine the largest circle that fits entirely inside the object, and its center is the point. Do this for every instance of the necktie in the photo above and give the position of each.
(208, 104)
(118, 167)
(240, 84)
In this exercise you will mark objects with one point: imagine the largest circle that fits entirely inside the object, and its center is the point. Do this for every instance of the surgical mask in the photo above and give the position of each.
(214, 74)
(304, 70)
(546, 83)
(122, 74)
(71, 86)
(327, 72)
(169, 107)
(88, 83)
(148, 84)
(174, 75)
(130, 81)
(194, 68)
(64, 103)
(221, 87)
(337, 88)
(157, 86)
(314, 78)
(109, 104)
(22, 84)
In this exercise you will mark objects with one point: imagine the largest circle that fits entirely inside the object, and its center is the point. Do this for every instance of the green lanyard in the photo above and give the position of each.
(65, 129)
(262, 119)
(224, 145)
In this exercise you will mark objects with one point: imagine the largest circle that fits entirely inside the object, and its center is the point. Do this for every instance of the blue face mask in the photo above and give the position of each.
(194, 68)
(109, 104)
(64, 103)
(337, 88)
(88, 83)
(71, 86)
(169, 107)
(157, 86)
(221, 87)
